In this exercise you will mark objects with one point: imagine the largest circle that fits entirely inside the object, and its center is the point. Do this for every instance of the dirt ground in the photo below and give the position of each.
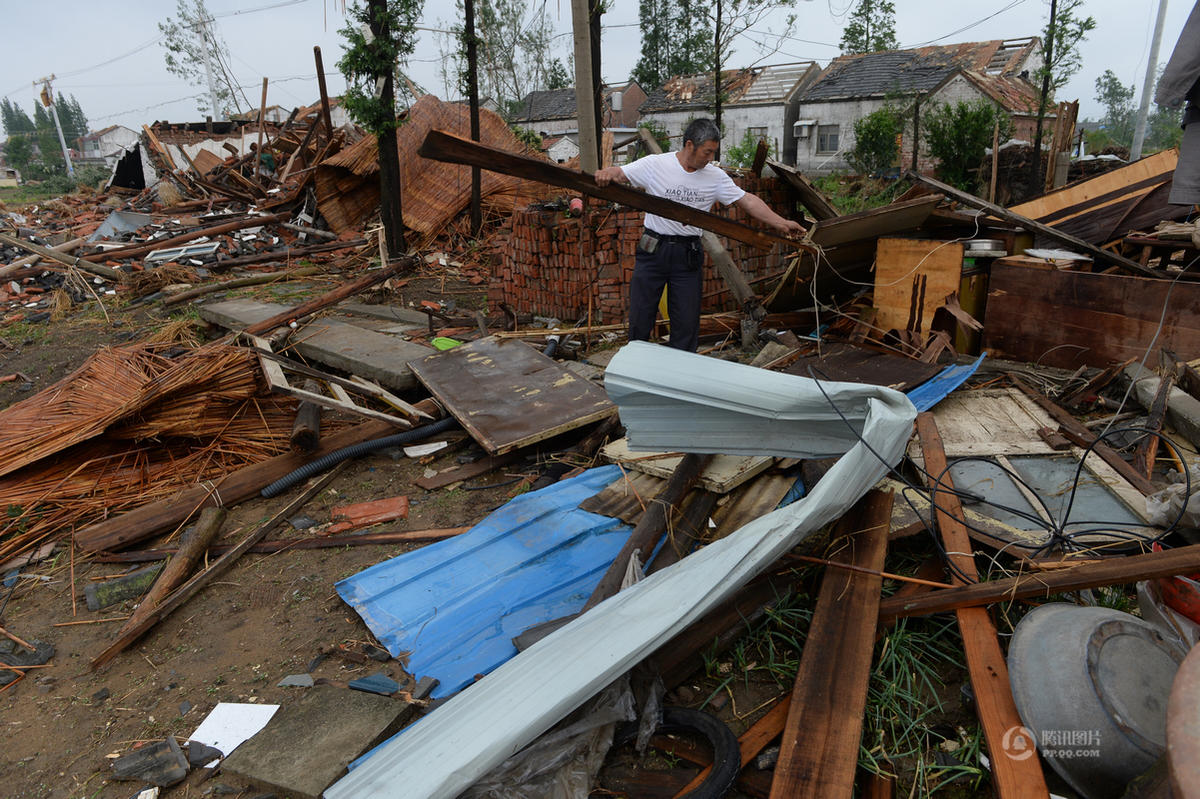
(267, 618)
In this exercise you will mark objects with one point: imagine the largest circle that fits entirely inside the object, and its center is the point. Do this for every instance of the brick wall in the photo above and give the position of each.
(550, 267)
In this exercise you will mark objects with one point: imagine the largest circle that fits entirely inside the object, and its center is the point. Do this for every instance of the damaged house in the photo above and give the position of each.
(853, 86)
(759, 101)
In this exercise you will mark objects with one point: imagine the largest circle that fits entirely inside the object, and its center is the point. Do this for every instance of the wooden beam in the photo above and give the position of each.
(1014, 779)
(810, 197)
(399, 266)
(1047, 231)
(442, 146)
(138, 250)
(65, 260)
(1079, 435)
(177, 598)
(1087, 574)
(819, 748)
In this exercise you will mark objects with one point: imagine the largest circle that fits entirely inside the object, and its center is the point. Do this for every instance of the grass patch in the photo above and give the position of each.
(853, 193)
(28, 193)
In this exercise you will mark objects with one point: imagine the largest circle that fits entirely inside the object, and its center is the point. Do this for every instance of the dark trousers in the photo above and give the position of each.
(676, 264)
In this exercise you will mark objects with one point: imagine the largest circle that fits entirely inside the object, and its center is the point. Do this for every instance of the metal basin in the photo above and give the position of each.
(1091, 684)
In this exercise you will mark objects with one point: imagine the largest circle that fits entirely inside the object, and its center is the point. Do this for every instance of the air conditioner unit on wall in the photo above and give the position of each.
(802, 128)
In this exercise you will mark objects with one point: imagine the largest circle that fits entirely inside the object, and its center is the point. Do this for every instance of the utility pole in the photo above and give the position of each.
(585, 103)
(202, 30)
(1035, 168)
(473, 99)
(48, 101)
(1139, 132)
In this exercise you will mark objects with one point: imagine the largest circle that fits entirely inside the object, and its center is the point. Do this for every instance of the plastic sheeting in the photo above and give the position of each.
(938, 387)
(675, 401)
(456, 605)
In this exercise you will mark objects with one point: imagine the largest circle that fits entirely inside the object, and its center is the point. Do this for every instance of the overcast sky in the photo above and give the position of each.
(110, 58)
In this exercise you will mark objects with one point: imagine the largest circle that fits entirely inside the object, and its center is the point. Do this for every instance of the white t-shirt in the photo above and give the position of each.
(663, 176)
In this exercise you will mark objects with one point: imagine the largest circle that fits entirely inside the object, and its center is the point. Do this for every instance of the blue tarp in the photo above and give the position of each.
(455, 605)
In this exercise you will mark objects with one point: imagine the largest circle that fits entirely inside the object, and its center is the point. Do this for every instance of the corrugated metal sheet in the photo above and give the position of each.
(457, 604)
(466, 737)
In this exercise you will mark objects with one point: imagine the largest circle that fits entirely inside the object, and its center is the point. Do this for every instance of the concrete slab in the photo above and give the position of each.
(388, 313)
(308, 744)
(332, 342)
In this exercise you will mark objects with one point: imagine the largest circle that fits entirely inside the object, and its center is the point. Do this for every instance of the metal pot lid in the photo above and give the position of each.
(1132, 668)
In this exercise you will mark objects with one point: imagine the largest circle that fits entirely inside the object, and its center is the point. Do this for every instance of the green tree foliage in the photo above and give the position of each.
(47, 141)
(741, 155)
(514, 53)
(876, 141)
(957, 136)
(676, 40)
(1065, 31)
(1163, 129)
(186, 37)
(1119, 113)
(870, 28)
(14, 118)
(18, 151)
(366, 57)
(74, 121)
(557, 77)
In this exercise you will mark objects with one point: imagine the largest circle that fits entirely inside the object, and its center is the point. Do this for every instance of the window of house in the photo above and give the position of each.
(757, 133)
(827, 138)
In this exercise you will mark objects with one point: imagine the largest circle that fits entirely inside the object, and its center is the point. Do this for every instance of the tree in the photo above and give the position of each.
(676, 40)
(1060, 60)
(18, 151)
(871, 27)
(74, 122)
(190, 42)
(957, 136)
(557, 76)
(47, 141)
(1117, 99)
(14, 118)
(876, 141)
(380, 38)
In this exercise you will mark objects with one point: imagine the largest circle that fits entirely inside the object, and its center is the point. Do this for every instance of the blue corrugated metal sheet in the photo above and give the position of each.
(938, 387)
(456, 605)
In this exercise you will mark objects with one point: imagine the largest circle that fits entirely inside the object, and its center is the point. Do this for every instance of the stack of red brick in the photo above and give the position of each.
(551, 267)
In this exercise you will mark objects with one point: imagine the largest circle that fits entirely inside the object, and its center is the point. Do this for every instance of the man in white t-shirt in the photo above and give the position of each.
(669, 253)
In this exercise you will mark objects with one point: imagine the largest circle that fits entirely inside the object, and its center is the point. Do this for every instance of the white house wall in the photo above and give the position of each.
(843, 113)
(736, 119)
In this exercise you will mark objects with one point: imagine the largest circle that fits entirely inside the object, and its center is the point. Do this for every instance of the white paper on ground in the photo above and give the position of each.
(421, 450)
(230, 724)
(494, 718)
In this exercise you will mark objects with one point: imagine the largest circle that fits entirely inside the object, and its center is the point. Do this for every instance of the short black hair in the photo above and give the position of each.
(700, 131)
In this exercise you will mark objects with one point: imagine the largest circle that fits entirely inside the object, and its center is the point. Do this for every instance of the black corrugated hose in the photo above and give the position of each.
(337, 456)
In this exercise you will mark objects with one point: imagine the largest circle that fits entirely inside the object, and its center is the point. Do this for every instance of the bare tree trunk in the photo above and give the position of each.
(1035, 169)
(717, 70)
(390, 211)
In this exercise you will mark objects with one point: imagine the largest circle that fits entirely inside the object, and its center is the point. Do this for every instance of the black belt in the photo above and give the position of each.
(671, 237)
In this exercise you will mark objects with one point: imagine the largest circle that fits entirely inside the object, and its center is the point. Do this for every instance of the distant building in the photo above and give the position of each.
(10, 178)
(106, 145)
(853, 86)
(554, 111)
(759, 101)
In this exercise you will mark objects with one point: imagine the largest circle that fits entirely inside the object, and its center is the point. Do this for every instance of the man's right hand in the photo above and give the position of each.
(609, 175)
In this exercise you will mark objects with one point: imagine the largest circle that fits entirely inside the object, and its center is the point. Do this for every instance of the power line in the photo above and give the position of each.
(1013, 4)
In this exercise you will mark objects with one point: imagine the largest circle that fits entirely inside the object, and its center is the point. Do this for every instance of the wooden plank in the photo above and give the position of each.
(1013, 779)
(819, 747)
(442, 146)
(751, 501)
(1086, 574)
(1097, 318)
(722, 474)
(508, 395)
(65, 260)
(1032, 224)
(1089, 195)
(177, 598)
(465, 472)
(141, 523)
(140, 249)
(848, 363)
(810, 197)
(913, 278)
(1074, 430)
(883, 221)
